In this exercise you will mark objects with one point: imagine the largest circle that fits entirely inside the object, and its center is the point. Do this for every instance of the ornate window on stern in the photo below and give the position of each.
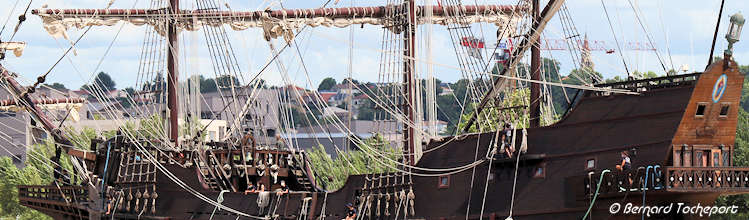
(726, 154)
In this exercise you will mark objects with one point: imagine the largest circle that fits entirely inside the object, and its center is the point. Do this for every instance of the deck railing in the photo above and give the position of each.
(58, 202)
(52, 193)
(708, 179)
(653, 83)
(640, 179)
(672, 179)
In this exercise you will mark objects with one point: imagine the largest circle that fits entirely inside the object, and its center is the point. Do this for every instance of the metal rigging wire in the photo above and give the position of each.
(619, 48)
(647, 34)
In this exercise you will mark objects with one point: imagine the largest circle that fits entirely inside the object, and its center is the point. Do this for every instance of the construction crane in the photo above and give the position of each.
(505, 46)
(594, 45)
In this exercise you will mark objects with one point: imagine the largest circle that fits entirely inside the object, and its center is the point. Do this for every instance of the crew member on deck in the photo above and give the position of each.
(625, 165)
(284, 188)
(506, 139)
(250, 188)
(280, 143)
(351, 213)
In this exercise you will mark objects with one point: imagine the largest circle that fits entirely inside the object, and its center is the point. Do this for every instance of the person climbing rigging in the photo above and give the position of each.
(351, 213)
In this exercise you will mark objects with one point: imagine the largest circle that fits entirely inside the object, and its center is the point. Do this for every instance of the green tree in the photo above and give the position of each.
(130, 91)
(57, 86)
(300, 119)
(37, 170)
(103, 81)
(492, 118)
(644, 75)
(227, 81)
(615, 79)
(332, 172)
(354, 81)
(437, 87)
(745, 92)
(326, 84)
(12, 176)
(740, 158)
(449, 105)
(367, 111)
(207, 85)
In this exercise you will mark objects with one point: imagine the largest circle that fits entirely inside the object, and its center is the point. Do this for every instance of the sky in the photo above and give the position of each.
(681, 31)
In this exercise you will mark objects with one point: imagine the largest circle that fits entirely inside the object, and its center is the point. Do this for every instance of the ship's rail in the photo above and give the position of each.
(52, 193)
(708, 179)
(615, 182)
(670, 179)
(56, 201)
(653, 83)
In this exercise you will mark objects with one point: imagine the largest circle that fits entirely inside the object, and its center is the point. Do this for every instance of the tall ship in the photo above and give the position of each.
(507, 161)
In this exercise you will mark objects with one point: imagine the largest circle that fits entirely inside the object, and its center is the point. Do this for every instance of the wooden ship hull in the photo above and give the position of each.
(558, 176)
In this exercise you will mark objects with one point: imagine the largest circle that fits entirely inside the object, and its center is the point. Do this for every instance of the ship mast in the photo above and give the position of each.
(539, 24)
(535, 99)
(409, 55)
(173, 74)
(356, 15)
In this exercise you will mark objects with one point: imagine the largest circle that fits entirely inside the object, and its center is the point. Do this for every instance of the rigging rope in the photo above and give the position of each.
(514, 184)
(21, 19)
(492, 152)
(10, 14)
(621, 54)
(637, 15)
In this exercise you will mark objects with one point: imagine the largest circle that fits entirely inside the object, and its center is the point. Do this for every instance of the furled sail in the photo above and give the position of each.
(16, 47)
(276, 23)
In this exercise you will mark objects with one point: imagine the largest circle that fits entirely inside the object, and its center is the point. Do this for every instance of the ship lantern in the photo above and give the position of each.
(734, 31)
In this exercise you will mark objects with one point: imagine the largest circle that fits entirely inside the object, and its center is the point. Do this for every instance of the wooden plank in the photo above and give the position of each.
(86, 155)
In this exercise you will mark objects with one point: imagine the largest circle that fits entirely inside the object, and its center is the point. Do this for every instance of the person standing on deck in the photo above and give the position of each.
(284, 188)
(507, 139)
(625, 165)
(250, 188)
(351, 212)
